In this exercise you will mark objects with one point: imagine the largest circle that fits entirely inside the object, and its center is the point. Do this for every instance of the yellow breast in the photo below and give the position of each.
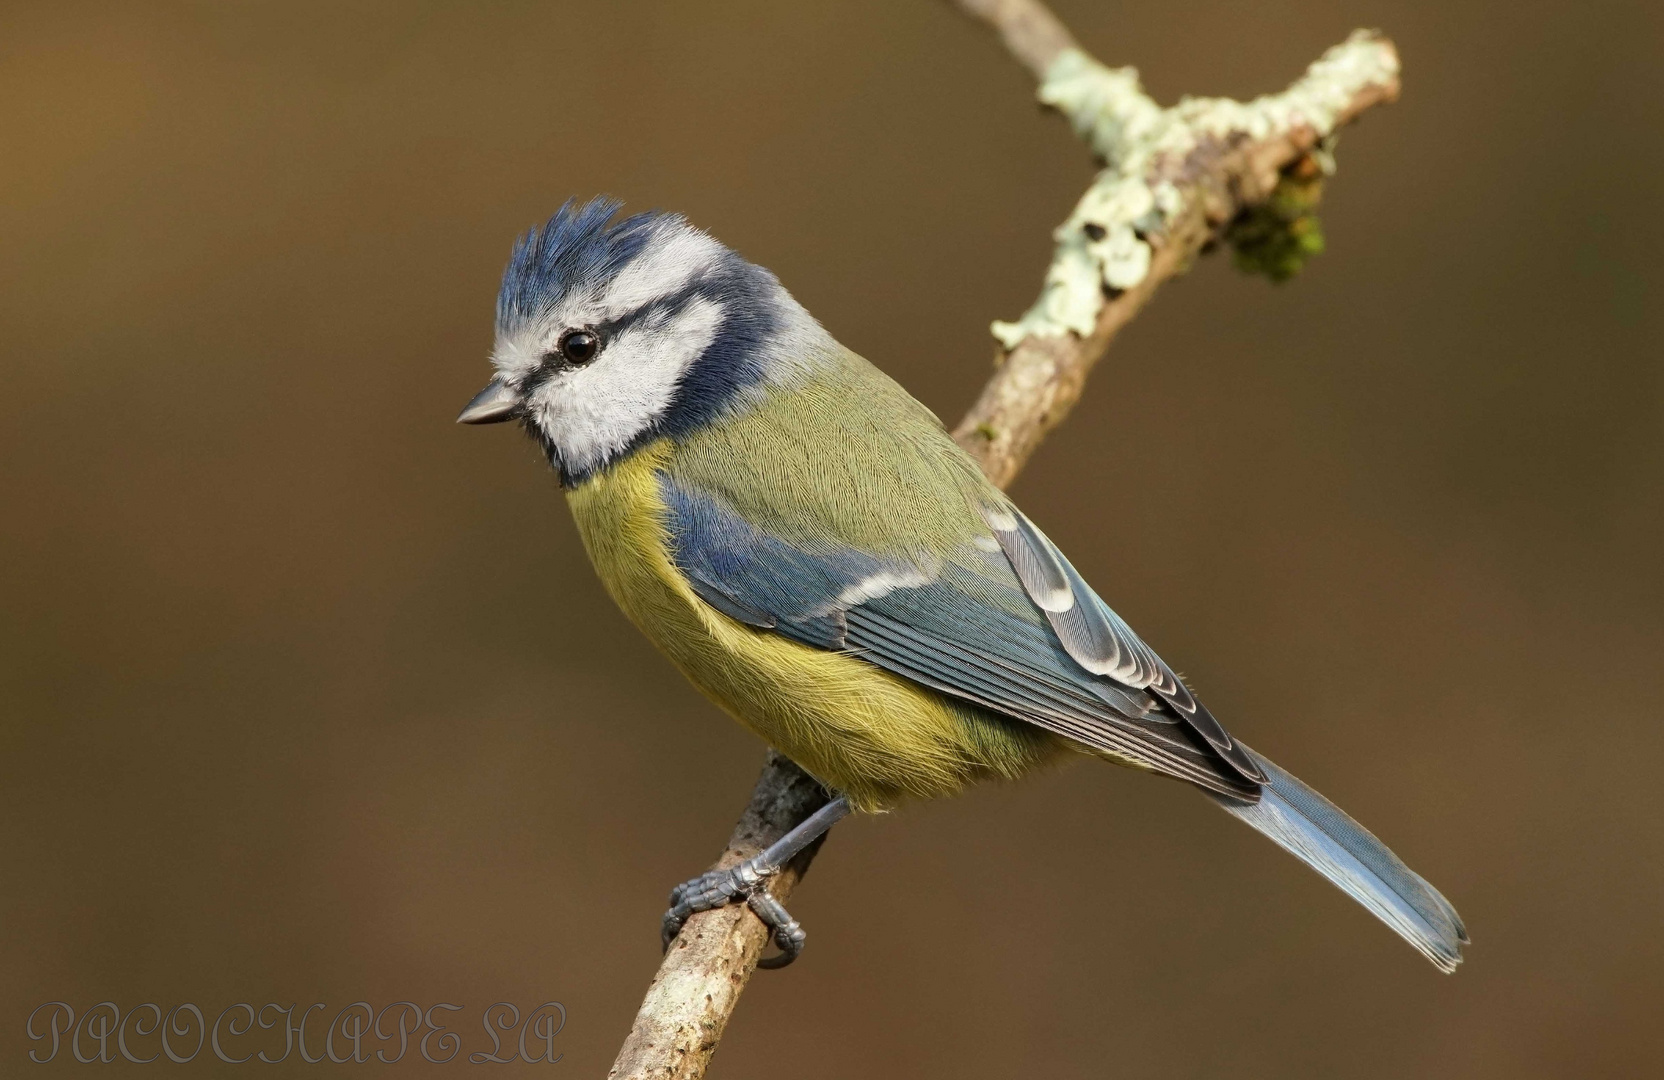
(858, 729)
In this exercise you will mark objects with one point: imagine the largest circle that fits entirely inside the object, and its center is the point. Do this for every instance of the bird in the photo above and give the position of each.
(807, 544)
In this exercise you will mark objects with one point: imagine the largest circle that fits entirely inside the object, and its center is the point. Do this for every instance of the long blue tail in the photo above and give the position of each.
(1319, 833)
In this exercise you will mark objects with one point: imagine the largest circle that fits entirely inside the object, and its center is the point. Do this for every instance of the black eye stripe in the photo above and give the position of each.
(606, 330)
(665, 305)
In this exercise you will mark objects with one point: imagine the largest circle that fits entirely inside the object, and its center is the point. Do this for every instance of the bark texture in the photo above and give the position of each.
(702, 976)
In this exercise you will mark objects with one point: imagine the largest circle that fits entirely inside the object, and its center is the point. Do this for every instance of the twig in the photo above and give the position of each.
(1030, 31)
(700, 980)
(1173, 179)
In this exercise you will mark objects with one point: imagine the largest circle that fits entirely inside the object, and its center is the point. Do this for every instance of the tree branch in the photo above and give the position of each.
(701, 978)
(1173, 180)
(1029, 30)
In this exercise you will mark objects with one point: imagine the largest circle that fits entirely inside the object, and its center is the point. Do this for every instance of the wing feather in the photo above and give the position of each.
(970, 628)
(1097, 638)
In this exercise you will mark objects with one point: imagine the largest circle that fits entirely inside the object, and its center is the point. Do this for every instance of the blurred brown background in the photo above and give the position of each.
(310, 695)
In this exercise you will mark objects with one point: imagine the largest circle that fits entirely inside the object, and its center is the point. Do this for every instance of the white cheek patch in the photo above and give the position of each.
(591, 413)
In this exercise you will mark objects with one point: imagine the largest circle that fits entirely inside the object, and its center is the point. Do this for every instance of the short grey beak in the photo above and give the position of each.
(492, 405)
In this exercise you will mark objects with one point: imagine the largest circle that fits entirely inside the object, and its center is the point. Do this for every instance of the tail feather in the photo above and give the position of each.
(1321, 835)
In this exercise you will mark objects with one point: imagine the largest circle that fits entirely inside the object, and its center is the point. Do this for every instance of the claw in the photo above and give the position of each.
(720, 887)
(748, 880)
(788, 932)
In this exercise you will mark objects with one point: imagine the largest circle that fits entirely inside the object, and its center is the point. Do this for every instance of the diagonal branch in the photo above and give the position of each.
(1173, 180)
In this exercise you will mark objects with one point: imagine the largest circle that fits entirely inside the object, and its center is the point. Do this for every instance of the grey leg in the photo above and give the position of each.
(749, 880)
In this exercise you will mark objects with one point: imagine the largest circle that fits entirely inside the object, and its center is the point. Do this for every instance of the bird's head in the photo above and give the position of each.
(611, 334)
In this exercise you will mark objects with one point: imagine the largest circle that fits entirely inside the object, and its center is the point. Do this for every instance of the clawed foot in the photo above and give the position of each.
(718, 887)
(750, 880)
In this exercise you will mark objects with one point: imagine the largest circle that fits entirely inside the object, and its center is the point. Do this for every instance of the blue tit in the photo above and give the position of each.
(811, 549)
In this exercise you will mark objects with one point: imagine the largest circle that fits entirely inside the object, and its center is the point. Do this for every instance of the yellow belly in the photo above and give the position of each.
(858, 729)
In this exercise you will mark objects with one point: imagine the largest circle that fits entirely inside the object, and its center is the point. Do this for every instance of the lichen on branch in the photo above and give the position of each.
(1154, 160)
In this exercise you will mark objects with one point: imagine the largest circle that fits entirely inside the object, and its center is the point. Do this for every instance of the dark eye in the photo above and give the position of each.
(579, 346)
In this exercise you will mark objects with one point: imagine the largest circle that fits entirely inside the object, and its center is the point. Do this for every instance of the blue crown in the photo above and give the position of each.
(576, 246)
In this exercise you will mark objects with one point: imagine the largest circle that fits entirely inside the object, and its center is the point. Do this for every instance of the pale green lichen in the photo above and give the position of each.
(1316, 100)
(1106, 106)
(1099, 246)
(1102, 247)
(1069, 299)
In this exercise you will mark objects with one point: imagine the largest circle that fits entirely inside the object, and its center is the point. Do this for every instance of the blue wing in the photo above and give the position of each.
(1008, 625)
(1004, 623)
(1097, 638)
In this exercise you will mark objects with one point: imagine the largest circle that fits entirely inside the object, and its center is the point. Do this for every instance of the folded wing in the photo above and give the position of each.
(1096, 637)
(1008, 626)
